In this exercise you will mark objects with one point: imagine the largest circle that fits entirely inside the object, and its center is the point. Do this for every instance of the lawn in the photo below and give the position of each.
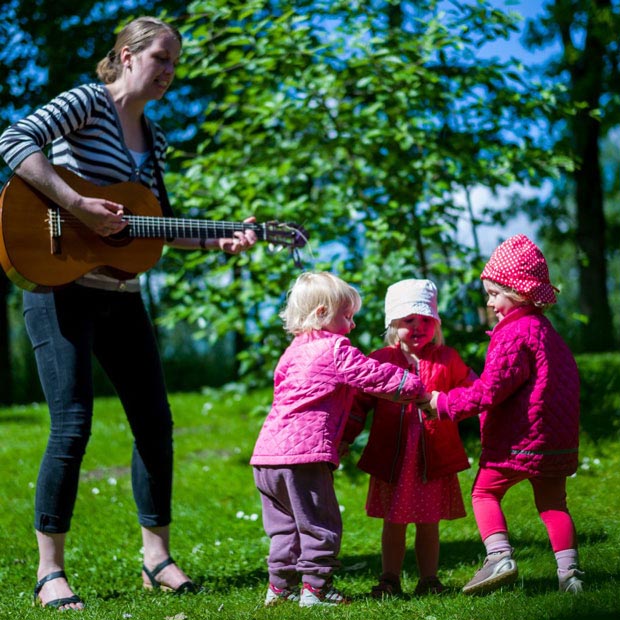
(218, 536)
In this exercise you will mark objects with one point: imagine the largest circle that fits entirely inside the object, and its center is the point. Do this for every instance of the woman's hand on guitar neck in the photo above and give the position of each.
(240, 241)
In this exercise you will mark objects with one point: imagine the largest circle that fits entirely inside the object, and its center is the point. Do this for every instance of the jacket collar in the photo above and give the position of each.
(515, 315)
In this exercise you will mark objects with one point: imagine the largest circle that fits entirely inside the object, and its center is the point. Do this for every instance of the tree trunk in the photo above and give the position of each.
(587, 85)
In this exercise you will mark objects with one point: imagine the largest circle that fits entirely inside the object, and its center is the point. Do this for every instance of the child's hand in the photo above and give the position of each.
(430, 411)
(424, 401)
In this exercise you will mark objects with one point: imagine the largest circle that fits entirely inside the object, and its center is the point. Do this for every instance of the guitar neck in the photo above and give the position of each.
(147, 227)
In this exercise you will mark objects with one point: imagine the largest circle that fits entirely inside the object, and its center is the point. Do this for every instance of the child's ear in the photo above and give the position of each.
(321, 311)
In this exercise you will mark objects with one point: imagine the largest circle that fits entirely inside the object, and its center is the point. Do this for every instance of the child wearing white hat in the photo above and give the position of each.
(412, 462)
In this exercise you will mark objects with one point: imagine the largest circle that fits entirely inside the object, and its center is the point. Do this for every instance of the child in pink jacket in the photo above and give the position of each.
(528, 401)
(412, 461)
(297, 448)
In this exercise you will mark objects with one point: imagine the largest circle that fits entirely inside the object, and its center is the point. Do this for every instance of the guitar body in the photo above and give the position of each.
(36, 260)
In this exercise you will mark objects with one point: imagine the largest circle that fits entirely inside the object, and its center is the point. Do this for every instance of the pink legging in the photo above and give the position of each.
(490, 487)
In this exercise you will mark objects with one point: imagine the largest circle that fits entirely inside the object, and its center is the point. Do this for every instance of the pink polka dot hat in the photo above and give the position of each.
(519, 264)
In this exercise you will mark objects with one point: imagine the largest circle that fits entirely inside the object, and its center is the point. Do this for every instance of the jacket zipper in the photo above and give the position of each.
(416, 370)
(398, 442)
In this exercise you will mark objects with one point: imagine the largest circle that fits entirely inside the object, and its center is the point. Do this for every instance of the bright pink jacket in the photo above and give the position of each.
(528, 398)
(315, 381)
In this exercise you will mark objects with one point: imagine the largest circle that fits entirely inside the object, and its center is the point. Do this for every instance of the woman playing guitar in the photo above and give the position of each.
(99, 131)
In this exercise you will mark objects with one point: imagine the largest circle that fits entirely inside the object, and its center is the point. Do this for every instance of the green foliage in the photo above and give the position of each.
(217, 535)
(600, 394)
(367, 131)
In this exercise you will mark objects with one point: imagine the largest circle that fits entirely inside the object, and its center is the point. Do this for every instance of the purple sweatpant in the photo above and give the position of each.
(302, 518)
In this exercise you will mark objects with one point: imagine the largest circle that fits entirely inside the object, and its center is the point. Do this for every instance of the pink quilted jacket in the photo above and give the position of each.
(528, 398)
(315, 381)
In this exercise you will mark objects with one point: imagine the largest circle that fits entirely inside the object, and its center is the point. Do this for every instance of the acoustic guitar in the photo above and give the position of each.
(43, 246)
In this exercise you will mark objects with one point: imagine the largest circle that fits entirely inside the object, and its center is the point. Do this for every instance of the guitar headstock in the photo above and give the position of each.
(285, 234)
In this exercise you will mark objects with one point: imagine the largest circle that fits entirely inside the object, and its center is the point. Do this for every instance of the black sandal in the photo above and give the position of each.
(389, 585)
(58, 602)
(186, 587)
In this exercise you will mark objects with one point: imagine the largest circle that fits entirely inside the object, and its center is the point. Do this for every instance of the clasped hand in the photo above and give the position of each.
(429, 405)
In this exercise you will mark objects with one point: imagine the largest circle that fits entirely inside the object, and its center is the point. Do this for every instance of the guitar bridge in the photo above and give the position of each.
(55, 229)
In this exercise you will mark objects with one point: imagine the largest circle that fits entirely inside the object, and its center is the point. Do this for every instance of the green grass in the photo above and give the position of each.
(218, 536)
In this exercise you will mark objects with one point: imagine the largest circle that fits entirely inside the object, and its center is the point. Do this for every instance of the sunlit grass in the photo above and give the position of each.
(218, 536)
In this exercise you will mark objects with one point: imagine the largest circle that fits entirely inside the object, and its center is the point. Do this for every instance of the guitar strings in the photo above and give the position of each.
(157, 227)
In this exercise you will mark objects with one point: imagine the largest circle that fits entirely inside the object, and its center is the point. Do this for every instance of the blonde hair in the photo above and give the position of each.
(517, 297)
(136, 35)
(314, 300)
(391, 334)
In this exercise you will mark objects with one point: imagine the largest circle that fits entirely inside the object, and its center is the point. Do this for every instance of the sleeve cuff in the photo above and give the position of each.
(442, 407)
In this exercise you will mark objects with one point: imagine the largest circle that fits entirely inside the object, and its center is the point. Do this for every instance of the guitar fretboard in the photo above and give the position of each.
(174, 228)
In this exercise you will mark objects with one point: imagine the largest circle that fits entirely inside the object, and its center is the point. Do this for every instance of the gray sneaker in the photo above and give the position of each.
(327, 596)
(275, 595)
(499, 569)
(570, 581)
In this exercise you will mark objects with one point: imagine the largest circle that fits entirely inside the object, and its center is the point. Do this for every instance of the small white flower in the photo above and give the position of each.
(240, 514)
(31, 485)
(341, 508)
(253, 517)
(112, 481)
(95, 491)
(217, 543)
(597, 461)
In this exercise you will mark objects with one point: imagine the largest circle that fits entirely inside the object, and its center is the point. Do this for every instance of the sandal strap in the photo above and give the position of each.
(57, 602)
(151, 574)
(186, 587)
(59, 574)
(60, 602)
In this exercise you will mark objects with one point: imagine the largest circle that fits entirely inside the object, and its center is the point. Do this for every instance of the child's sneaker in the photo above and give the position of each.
(499, 569)
(570, 580)
(327, 596)
(279, 595)
(428, 585)
(389, 585)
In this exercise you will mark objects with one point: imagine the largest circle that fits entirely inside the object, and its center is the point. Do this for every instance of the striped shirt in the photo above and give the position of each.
(84, 133)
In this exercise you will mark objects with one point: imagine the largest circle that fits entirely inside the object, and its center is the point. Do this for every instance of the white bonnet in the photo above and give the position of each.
(410, 297)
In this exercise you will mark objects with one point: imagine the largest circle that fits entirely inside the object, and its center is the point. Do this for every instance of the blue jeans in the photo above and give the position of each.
(66, 327)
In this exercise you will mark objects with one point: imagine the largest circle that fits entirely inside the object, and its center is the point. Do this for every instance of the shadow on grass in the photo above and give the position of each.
(455, 555)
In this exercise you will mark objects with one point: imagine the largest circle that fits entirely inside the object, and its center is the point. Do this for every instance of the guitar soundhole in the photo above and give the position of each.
(120, 239)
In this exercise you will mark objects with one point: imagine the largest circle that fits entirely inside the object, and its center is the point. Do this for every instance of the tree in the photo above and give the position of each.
(587, 30)
(361, 127)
